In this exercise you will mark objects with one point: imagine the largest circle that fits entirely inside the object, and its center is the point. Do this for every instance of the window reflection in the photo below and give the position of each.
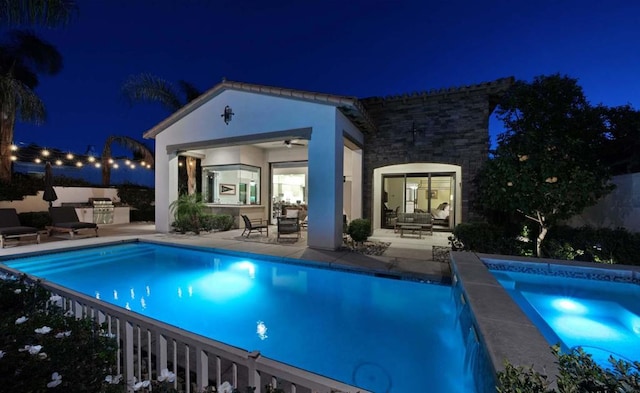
(231, 184)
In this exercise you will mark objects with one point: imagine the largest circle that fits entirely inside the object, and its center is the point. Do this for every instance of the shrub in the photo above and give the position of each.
(42, 347)
(577, 373)
(137, 215)
(139, 197)
(603, 245)
(490, 239)
(217, 222)
(35, 219)
(20, 186)
(359, 229)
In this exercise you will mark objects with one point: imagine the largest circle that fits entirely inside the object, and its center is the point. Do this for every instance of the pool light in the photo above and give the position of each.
(569, 306)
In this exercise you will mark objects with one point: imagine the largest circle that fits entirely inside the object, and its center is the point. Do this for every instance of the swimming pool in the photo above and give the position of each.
(381, 334)
(596, 309)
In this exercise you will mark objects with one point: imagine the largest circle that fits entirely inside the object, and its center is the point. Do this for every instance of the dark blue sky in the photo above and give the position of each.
(358, 48)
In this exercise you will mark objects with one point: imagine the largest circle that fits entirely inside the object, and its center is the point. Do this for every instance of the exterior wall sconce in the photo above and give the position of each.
(227, 114)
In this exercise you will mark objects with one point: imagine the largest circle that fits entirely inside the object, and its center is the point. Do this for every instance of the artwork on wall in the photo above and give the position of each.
(227, 189)
(433, 194)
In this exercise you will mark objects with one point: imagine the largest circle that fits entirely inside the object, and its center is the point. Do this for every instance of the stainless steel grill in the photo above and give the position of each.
(103, 210)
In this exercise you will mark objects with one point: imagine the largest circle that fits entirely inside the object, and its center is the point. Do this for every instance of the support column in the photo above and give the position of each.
(325, 188)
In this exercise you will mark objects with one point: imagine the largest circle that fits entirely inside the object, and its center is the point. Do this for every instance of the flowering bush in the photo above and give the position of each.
(44, 350)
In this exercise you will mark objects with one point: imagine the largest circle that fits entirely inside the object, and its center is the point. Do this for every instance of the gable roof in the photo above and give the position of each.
(349, 106)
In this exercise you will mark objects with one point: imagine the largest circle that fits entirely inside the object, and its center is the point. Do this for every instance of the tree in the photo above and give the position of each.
(547, 164)
(128, 143)
(22, 58)
(623, 140)
(150, 88)
(17, 78)
(48, 13)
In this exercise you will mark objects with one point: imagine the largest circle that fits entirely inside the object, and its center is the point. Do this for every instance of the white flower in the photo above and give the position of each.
(166, 375)
(18, 290)
(113, 379)
(32, 349)
(56, 379)
(55, 298)
(142, 384)
(43, 330)
(225, 388)
(21, 320)
(63, 334)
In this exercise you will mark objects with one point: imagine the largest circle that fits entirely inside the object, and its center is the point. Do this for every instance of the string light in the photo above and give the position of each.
(14, 158)
(37, 160)
(58, 162)
(97, 165)
(46, 153)
(91, 159)
(78, 164)
(69, 156)
(14, 147)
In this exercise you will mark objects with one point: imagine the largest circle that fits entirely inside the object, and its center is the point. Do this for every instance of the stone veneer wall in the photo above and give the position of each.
(452, 127)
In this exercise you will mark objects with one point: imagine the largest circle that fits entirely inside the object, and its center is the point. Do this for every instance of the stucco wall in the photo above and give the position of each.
(621, 208)
(35, 203)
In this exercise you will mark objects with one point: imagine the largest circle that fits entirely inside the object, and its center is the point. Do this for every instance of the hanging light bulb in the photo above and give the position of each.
(46, 153)
(78, 164)
(58, 162)
(69, 156)
(116, 166)
(111, 161)
(91, 158)
(14, 147)
(37, 160)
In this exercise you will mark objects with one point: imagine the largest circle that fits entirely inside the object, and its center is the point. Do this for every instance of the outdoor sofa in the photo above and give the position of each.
(414, 222)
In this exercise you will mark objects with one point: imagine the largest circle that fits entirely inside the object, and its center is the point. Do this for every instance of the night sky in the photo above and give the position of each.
(358, 48)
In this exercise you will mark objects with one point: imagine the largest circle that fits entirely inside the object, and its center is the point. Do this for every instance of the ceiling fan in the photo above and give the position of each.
(291, 142)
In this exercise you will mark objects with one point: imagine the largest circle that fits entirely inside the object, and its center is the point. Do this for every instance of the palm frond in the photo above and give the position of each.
(27, 48)
(150, 88)
(130, 144)
(47, 13)
(190, 91)
(20, 101)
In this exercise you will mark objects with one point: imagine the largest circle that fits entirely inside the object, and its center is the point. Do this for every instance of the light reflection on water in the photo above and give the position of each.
(333, 323)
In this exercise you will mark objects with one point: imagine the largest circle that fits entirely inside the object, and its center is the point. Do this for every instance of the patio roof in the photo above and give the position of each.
(349, 106)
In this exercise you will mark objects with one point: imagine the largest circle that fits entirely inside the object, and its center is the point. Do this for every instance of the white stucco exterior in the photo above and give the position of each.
(199, 130)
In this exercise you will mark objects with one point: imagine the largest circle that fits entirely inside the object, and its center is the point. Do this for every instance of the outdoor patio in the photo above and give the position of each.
(403, 256)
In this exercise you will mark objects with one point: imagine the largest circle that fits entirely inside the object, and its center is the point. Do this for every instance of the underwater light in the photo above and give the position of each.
(571, 306)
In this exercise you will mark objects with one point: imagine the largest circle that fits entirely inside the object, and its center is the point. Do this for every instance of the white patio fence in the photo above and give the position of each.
(145, 344)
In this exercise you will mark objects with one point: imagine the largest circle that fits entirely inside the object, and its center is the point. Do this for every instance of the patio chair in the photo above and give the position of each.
(65, 219)
(10, 227)
(288, 226)
(254, 225)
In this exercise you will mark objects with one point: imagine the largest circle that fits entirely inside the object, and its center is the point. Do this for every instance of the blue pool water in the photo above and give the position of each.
(602, 317)
(381, 334)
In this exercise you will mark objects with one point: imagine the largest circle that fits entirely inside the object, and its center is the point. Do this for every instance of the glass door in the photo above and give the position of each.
(418, 193)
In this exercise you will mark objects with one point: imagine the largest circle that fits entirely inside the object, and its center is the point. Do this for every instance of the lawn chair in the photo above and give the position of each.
(10, 227)
(65, 219)
(254, 225)
(288, 226)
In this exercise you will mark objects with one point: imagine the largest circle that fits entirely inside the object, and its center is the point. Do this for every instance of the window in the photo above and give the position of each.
(231, 184)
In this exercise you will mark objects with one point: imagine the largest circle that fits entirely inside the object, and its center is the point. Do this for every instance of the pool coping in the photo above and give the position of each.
(504, 329)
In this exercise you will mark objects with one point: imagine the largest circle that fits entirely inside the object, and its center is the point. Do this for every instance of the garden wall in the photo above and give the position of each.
(621, 208)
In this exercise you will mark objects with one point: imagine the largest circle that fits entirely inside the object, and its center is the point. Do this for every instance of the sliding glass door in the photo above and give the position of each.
(419, 193)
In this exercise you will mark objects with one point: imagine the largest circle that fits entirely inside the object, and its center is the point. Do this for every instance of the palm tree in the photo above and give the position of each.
(150, 88)
(47, 13)
(17, 78)
(128, 143)
(22, 58)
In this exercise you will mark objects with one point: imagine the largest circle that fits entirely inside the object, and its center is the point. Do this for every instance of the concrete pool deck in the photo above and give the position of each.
(405, 256)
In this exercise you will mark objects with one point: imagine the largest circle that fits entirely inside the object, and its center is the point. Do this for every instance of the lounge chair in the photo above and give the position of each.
(65, 219)
(254, 225)
(10, 227)
(288, 226)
